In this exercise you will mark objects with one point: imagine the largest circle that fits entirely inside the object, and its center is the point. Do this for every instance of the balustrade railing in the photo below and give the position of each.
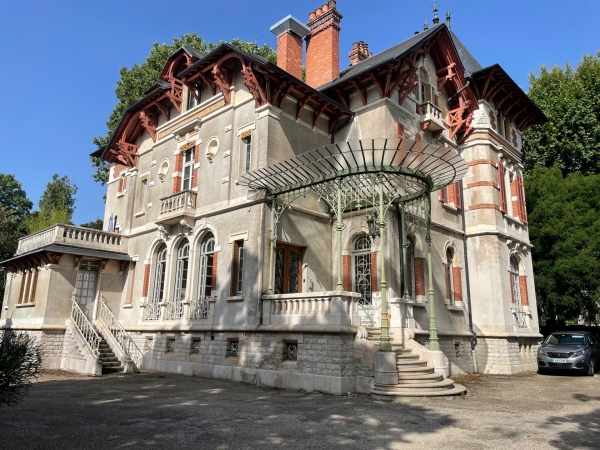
(123, 338)
(174, 310)
(199, 309)
(153, 311)
(176, 202)
(301, 306)
(85, 327)
(432, 116)
(75, 236)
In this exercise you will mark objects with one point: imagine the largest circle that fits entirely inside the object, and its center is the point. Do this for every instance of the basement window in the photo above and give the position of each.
(290, 351)
(195, 347)
(233, 348)
(170, 346)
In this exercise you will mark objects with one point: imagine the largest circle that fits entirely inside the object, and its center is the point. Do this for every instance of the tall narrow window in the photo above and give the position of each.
(122, 184)
(246, 150)
(410, 266)
(153, 308)
(288, 269)
(188, 169)
(361, 256)
(237, 267)
(192, 100)
(205, 281)
(449, 277)
(142, 194)
(514, 282)
(175, 308)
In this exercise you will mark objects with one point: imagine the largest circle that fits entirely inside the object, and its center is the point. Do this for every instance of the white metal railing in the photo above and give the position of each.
(85, 327)
(174, 310)
(75, 236)
(175, 202)
(199, 308)
(118, 332)
(153, 311)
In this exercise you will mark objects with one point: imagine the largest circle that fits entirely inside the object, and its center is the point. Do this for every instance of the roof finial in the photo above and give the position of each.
(425, 26)
(255, 49)
(448, 18)
(436, 19)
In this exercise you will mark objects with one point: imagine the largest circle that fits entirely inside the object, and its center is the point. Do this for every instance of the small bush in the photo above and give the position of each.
(21, 359)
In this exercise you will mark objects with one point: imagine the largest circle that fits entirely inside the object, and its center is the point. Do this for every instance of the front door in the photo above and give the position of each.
(288, 269)
(362, 281)
(85, 286)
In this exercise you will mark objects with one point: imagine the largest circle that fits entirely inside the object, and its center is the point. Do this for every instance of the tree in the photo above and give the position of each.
(97, 224)
(571, 101)
(135, 81)
(57, 204)
(10, 232)
(21, 359)
(14, 199)
(564, 228)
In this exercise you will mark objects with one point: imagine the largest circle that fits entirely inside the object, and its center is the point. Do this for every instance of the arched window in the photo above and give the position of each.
(449, 276)
(361, 258)
(205, 281)
(153, 308)
(514, 282)
(175, 309)
(410, 267)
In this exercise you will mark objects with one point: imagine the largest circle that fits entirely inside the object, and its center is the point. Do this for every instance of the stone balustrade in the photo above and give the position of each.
(75, 237)
(312, 308)
(177, 202)
(431, 115)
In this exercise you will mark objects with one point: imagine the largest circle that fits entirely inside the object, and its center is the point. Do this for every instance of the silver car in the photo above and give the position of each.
(569, 350)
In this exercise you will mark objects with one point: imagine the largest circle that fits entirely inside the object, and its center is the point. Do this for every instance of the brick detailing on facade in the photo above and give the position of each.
(419, 276)
(482, 183)
(289, 53)
(146, 280)
(213, 285)
(195, 173)
(323, 45)
(347, 273)
(178, 169)
(484, 206)
(476, 162)
(374, 284)
(118, 169)
(457, 284)
(399, 130)
(523, 289)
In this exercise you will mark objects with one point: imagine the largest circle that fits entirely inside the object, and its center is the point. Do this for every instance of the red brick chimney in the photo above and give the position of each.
(323, 45)
(360, 52)
(289, 32)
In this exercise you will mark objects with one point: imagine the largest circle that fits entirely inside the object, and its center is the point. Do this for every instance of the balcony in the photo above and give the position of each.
(312, 308)
(74, 237)
(176, 207)
(431, 117)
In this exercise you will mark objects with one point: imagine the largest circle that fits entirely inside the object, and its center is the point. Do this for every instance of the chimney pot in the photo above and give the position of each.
(319, 11)
(355, 45)
(325, 7)
(312, 15)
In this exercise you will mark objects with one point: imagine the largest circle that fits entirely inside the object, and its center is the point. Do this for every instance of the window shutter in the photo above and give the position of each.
(502, 188)
(457, 284)
(522, 204)
(346, 273)
(120, 185)
(447, 276)
(443, 195)
(514, 192)
(523, 289)
(124, 183)
(512, 287)
(214, 272)
(457, 197)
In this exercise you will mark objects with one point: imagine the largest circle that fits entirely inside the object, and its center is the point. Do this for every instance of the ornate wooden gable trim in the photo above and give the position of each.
(267, 83)
(495, 86)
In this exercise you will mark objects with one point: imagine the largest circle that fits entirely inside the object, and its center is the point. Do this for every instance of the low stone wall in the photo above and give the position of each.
(52, 342)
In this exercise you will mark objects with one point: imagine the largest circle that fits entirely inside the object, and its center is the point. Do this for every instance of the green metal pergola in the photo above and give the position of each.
(366, 173)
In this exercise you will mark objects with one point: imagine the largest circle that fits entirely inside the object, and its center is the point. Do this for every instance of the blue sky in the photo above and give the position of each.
(60, 60)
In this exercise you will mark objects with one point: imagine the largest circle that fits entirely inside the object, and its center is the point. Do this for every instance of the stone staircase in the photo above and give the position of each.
(415, 378)
(110, 363)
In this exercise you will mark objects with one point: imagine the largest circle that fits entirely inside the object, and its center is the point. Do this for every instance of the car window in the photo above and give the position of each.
(565, 339)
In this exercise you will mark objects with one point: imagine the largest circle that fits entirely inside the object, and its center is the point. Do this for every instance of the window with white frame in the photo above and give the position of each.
(449, 276)
(246, 145)
(238, 266)
(188, 170)
(192, 99)
(205, 281)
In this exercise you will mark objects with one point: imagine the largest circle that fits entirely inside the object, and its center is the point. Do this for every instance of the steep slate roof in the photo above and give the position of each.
(393, 53)
(467, 60)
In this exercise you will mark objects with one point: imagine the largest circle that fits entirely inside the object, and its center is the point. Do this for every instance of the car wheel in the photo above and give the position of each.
(591, 369)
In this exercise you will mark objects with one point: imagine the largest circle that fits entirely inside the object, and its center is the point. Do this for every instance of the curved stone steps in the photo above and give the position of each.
(406, 357)
(415, 369)
(444, 384)
(418, 377)
(402, 364)
(391, 396)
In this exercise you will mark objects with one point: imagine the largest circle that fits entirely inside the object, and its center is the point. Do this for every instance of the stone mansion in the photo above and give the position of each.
(296, 234)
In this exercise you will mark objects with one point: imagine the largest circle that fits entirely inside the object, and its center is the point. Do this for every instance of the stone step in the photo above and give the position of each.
(107, 359)
(417, 377)
(391, 396)
(406, 356)
(413, 369)
(409, 387)
(114, 369)
(410, 363)
(111, 364)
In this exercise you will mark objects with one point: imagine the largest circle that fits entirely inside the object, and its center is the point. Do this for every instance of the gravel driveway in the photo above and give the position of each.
(155, 410)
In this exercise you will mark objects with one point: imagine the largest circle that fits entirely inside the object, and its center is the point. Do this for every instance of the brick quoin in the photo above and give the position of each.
(289, 53)
(178, 168)
(484, 206)
(456, 278)
(323, 45)
(523, 289)
(482, 183)
(347, 273)
(146, 280)
(195, 173)
(213, 285)
(374, 284)
(419, 276)
(481, 161)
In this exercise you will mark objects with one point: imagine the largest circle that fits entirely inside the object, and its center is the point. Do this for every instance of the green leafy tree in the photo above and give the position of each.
(564, 228)
(10, 232)
(94, 224)
(14, 199)
(57, 205)
(135, 81)
(571, 100)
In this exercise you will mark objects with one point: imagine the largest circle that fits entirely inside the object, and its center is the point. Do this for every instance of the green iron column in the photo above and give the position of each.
(384, 344)
(434, 343)
(404, 247)
(340, 227)
(273, 241)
